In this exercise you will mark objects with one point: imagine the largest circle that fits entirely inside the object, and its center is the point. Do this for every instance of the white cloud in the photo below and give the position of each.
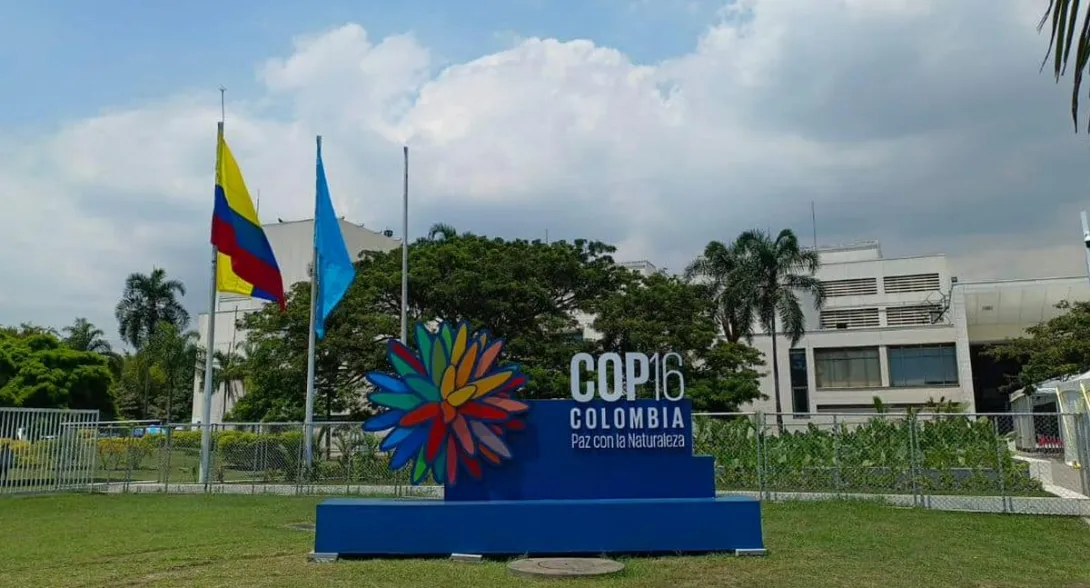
(922, 124)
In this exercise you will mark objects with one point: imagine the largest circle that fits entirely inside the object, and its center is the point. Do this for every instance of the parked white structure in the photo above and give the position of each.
(292, 243)
(1070, 396)
(892, 328)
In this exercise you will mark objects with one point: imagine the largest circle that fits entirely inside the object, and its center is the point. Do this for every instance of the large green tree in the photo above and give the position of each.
(720, 269)
(82, 335)
(1055, 348)
(662, 314)
(525, 292)
(174, 353)
(147, 300)
(38, 371)
(778, 269)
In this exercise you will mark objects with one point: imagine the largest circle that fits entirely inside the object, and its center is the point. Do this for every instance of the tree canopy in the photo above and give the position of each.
(663, 314)
(147, 300)
(1055, 348)
(38, 371)
(528, 293)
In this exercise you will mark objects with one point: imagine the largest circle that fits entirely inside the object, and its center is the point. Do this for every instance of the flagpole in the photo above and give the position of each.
(206, 407)
(405, 253)
(308, 423)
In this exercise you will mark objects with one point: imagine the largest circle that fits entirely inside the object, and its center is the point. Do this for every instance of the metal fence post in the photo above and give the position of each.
(128, 461)
(255, 465)
(165, 468)
(759, 431)
(1000, 450)
(1082, 439)
(837, 472)
(93, 474)
(917, 492)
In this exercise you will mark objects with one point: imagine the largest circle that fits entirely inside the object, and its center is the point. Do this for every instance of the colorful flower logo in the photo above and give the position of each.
(449, 405)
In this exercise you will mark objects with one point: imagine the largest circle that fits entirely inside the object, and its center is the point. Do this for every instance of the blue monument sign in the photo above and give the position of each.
(610, 470)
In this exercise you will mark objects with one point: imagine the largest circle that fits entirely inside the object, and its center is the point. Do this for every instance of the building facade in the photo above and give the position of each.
(292, 243)
(891, 328)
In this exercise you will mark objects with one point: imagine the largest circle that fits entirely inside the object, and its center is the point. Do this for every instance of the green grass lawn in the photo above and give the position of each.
(158, 540)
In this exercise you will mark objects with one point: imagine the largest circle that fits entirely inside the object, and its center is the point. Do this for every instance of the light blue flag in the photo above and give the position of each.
(335, 269)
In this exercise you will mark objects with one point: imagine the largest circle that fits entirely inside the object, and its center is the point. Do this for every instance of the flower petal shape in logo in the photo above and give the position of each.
(448, 405)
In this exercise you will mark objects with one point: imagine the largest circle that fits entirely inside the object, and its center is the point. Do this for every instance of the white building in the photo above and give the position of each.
(892, 328)
(292, 243)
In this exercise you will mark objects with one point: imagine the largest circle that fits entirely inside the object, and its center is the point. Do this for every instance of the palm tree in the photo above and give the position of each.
(229, 370)
(175, 353)
(720, 269)
(149, 299)
(30, 329)
(441, 231)
(82, 335)
(1062, 17)
(777, 269)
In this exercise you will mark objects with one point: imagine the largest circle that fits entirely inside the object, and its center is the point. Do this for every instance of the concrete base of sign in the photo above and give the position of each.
(565, 567)
(381, 528)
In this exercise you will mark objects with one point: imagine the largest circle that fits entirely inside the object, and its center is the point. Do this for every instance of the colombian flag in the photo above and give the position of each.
(246, 263)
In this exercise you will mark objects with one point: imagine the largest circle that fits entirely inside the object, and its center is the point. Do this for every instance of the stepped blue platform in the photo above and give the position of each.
(647, 494)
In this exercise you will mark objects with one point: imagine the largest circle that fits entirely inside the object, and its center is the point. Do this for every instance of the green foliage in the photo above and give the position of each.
(662, 314)
(523, 291)
(721, 271)
(147, 300)
(82, 335)
(1055, 348)
(775, 271)
(1062, 17)
(38, 371)
(174, 354)
(725, 377)
(940, 453)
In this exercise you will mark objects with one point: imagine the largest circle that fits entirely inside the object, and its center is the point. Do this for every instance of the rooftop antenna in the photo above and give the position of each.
(813, 223)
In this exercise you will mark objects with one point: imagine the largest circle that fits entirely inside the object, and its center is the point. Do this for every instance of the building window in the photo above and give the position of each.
(923, 365)
(800, 387)
(850, 318)
(849, 367)
(853, 287)
(910, 283)
(905, 316)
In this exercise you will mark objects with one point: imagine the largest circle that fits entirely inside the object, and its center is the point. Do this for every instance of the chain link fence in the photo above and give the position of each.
(1009, 462)
(1032, 462)
(247, 458)
(45, 450)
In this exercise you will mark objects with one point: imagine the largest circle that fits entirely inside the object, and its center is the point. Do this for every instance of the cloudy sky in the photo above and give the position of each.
(655, 125)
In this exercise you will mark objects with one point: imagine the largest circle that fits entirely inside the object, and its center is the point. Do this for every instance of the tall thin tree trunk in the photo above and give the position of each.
(147, 384)
(776, 378)
(170, 398)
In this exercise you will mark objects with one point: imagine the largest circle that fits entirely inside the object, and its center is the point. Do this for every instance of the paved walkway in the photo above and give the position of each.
(1068, 477)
